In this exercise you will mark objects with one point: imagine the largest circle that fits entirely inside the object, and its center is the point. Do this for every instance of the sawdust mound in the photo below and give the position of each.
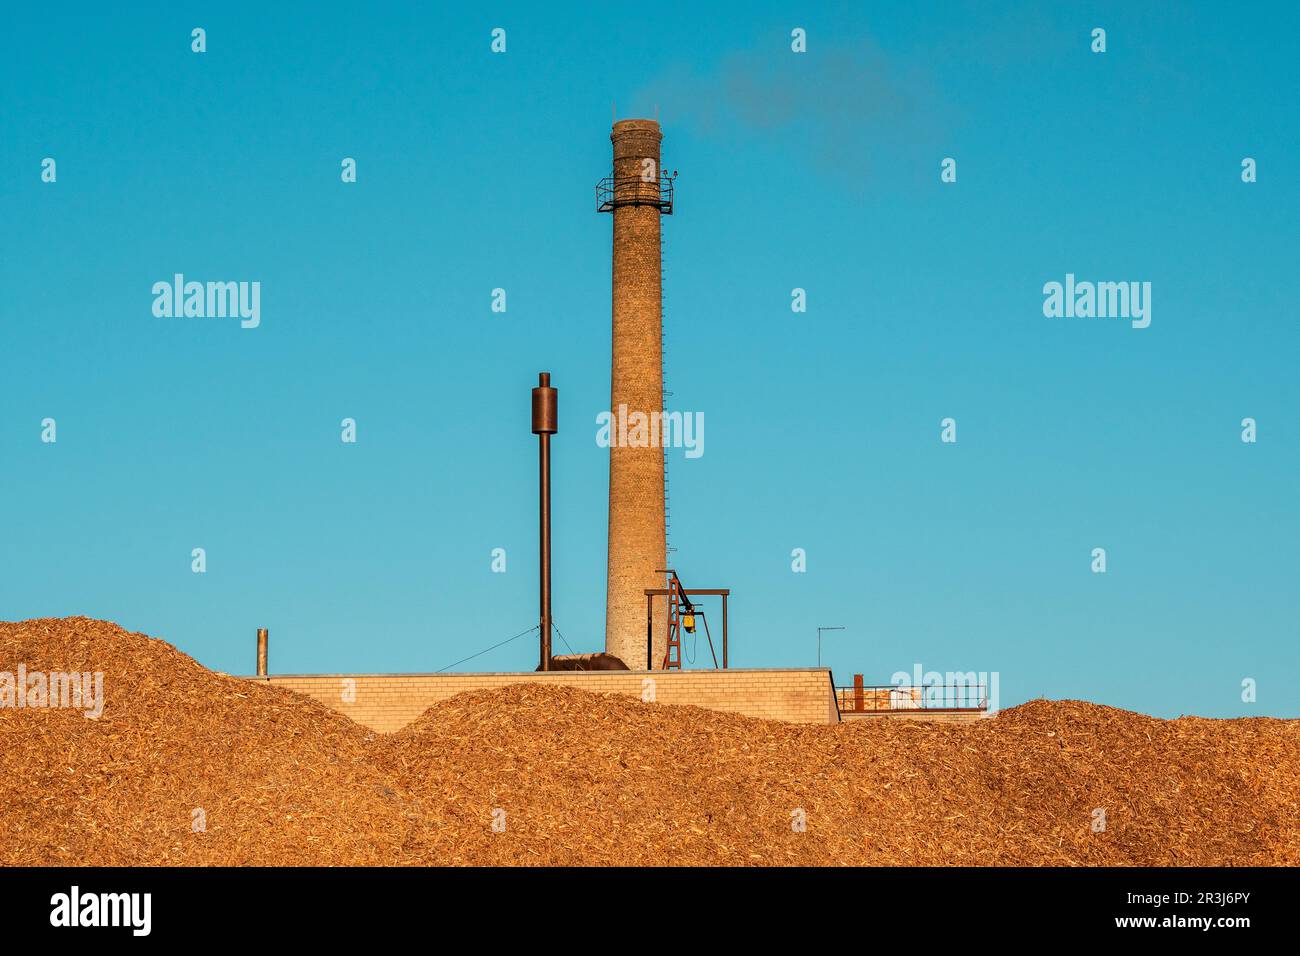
(607, 779)
(571, 777)
(278, 778)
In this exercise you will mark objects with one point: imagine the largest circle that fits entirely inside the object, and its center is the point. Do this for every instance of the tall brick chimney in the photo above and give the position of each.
(637, 195)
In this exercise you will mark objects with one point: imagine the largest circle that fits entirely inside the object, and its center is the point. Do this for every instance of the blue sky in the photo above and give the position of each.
(816, 170)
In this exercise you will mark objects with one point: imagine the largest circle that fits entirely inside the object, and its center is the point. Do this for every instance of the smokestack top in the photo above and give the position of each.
(635, 140)
(625, 126)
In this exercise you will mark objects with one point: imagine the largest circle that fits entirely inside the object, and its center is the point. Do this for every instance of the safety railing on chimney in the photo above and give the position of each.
(886, 698)
(613, 192)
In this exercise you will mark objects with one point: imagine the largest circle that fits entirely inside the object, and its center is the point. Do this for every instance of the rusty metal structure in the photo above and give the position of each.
(637, 195)
(681, 617)
(262, 640)
(546, 422)
(684, 616)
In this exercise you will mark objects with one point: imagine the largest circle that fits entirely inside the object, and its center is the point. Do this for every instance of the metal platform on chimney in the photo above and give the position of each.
(613, 192)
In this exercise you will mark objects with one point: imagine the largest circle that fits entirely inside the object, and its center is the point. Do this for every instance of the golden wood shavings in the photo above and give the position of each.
(571, 777)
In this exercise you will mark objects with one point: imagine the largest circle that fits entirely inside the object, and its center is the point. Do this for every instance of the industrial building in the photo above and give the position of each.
(647, 608)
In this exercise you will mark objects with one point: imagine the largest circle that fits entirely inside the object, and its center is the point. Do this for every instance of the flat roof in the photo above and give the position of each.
(694, 670)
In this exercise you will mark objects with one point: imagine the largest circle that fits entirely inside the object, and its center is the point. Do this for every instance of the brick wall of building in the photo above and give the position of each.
(388, 702)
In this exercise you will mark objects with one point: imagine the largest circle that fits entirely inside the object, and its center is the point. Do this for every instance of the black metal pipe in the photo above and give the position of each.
(545, 424)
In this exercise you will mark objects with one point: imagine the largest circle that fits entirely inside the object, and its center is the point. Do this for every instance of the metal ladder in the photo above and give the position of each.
(664, 396)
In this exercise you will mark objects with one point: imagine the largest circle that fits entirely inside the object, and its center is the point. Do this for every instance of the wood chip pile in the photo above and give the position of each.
(535, 774)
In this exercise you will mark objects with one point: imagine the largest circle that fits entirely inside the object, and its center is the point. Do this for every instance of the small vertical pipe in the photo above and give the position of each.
(545, 424)
(859, 702)
(261, 651)
(724, 632)
(649, 632)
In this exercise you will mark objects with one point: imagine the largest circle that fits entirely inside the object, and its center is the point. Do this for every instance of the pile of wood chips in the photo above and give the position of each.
(186, 766)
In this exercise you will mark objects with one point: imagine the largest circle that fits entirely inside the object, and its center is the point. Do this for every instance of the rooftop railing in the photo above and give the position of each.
(885, 698)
